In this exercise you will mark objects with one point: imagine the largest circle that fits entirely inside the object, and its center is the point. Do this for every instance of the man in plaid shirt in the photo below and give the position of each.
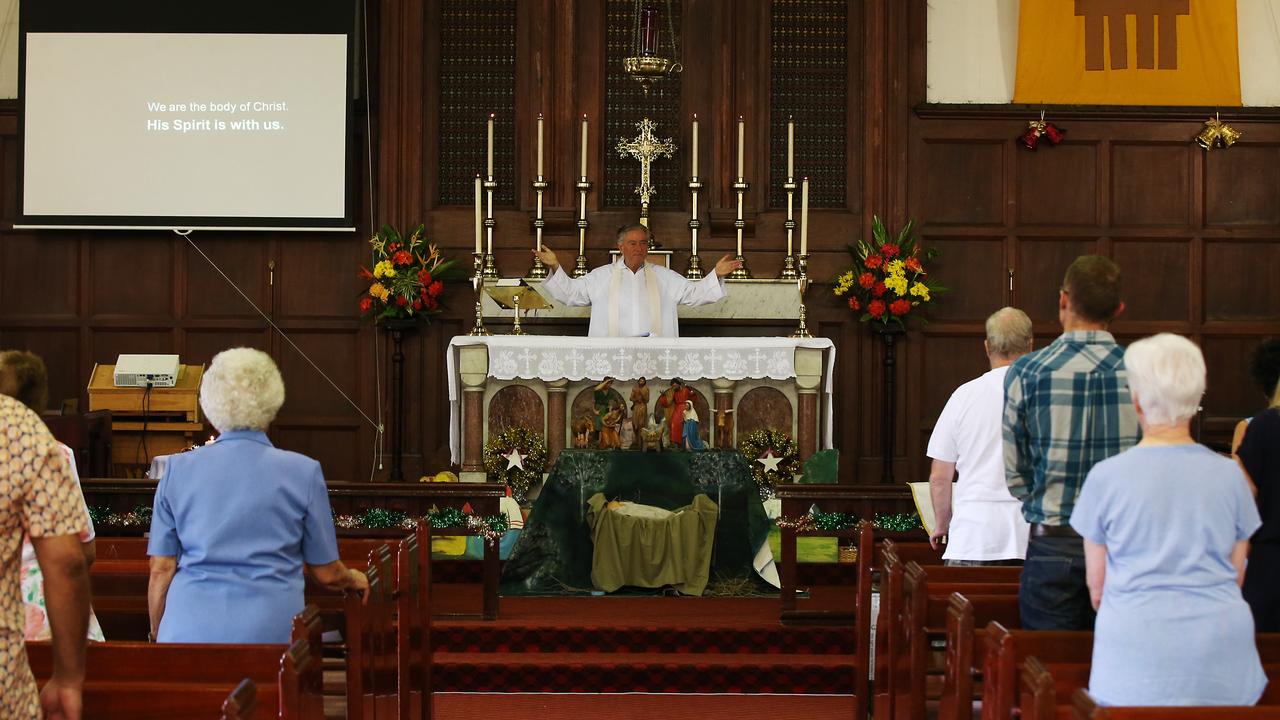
(1067, 407)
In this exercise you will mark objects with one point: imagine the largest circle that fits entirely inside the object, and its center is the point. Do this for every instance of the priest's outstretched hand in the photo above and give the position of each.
(548, 257)
(725, 266)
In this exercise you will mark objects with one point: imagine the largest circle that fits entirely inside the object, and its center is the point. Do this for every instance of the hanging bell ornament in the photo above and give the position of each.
(1031, 137)
(1053, 133)
(1227, 136)
(1210, 134)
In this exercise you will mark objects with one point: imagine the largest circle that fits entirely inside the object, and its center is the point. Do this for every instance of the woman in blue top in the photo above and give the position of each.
(1166, 529)
(234, 522)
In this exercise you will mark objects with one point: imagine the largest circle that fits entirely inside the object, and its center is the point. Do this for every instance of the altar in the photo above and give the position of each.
(545, 383)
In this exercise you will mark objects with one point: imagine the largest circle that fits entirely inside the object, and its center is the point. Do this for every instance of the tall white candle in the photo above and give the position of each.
(539, 144)
(695, 145)
(791, 148)
(490, 165)
(804, 217)
(584, 145)
(742, 135)
(695, 217)
(479, 220)
(489, 230)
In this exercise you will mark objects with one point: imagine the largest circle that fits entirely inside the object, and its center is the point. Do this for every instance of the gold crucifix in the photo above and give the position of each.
(646, 148)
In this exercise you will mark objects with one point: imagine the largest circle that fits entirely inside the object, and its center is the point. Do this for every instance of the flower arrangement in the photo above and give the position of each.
(408, 276)
(888, 280)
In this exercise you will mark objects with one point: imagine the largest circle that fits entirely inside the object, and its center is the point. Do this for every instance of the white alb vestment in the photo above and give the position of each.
(625, 303)
(986, 521)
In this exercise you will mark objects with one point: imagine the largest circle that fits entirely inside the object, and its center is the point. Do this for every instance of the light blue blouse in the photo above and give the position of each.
(1173, 628)
(241, 517)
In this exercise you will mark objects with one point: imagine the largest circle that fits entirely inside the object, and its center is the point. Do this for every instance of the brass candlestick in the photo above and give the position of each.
(477, 284)
(490, 269)
(742, 273)
(789, 271)
(516, 329)
(580, 266)
(539, 270)
(802, 330)
(695, 263)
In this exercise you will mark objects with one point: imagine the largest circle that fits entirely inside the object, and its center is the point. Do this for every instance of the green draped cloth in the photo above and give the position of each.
(554, 554)
(652, 552)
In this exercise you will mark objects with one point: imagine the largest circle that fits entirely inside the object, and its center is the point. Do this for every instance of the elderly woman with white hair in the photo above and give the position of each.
(1166, 528)
(235, 522)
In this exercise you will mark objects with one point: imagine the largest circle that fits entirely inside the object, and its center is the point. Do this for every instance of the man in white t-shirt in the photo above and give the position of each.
(977, 518)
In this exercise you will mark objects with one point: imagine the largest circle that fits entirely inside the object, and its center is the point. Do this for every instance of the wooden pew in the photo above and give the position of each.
(242, 703)
(967, 619)
(142, 681)
(413, 625)
(926, 595)
(302, 682)
(368, 623)
(1084, 707)
(1005, 652)
(888, 641)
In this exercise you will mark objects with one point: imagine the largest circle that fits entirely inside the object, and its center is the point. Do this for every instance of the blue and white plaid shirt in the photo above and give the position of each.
(1066, 408)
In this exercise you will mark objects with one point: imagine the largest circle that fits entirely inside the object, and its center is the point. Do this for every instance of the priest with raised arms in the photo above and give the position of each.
(631, 297)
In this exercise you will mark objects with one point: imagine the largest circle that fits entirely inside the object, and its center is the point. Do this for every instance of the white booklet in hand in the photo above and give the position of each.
(924, 504)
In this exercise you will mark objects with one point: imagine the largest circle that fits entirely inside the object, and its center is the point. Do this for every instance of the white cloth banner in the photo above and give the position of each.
(549, 358)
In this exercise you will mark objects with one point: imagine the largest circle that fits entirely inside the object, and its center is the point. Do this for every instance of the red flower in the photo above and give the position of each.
(417, 304)
(366, 304)
(854, 304)
(878, 290)
(876, 308)
(402, 300)
(913, 264)
(866, 280)
(889, 250)
(900, 307)
(365, 274)
(402, 258)
(392, 248)
(435, 289)
(432, 303)
(874, 261)
(424, 276)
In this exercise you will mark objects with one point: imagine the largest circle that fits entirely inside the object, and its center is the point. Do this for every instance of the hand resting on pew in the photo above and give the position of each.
(339, 577)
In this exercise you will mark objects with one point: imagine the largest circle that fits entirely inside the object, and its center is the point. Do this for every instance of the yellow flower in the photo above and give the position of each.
(896, 283)
(895, 267)
(377, 290)
(921, 291)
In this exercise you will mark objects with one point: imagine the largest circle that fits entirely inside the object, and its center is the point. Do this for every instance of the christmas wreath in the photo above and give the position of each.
(773, 459)
(517, 457)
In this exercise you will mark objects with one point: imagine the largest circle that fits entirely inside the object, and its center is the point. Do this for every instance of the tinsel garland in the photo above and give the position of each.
(490, 528)
(139, 517)
(836, 521)
(756, 445)
(522, 478)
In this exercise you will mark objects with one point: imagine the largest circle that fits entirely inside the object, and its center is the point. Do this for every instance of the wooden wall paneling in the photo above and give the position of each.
(244, 258)
(946, 360)
(1231, 393)
(1242, 187)
(430, 110)
(973, 269)
(1058, 186)
(337, 447)
(1157, 279)
(132, 277)
(1040, 267)
(59, 347)
(41, 273)
(971, 192)
(9, 165)
(1151, 183)
(1240, 280)
(401, 37)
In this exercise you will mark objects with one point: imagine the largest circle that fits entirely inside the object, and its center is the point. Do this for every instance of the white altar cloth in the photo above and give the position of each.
(555, 357)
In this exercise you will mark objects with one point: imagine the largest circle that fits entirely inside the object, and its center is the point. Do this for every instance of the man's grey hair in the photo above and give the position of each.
(622, 231)
(1009, 333)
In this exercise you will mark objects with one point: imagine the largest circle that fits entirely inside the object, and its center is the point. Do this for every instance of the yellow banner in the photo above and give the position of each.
(1128, 52)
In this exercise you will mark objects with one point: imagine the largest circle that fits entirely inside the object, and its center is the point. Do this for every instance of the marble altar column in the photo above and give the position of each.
(808, 384)
(557, 396)
(473, 368)
(723, 390)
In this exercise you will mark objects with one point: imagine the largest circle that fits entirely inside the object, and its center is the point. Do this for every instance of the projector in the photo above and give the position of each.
(146, 371)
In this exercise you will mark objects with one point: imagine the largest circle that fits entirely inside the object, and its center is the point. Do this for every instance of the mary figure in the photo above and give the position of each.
(692, 440)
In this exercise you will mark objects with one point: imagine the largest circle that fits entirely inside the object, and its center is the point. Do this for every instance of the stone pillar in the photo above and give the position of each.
(557, 397)
(473, 369)
(723, 391)
(809, 368)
